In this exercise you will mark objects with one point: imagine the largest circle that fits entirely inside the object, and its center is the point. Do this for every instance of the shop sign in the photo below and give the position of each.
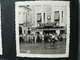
(55, 24)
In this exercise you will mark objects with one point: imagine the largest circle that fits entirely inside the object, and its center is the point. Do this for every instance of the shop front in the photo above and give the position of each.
(45, 28)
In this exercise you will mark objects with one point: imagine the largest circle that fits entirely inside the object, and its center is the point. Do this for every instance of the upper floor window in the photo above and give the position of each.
(39, 17)
(56, 16)
(44, 16)
(62, 16)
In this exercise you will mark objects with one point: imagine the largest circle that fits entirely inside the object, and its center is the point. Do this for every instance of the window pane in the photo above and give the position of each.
(39, 17)
(56, 16)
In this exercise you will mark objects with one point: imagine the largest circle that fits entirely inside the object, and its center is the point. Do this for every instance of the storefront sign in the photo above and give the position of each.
(55, 24)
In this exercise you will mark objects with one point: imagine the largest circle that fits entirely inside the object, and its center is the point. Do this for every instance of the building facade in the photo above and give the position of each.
(43, 18)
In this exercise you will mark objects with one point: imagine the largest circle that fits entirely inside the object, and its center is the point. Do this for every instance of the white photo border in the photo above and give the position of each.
(0, 33)
(67, 3)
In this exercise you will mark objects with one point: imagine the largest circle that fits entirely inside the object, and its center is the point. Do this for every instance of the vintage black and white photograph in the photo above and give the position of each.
(0, 33)
(42, 29)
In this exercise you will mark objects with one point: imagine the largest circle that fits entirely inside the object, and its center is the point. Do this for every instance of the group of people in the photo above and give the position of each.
(39, 38)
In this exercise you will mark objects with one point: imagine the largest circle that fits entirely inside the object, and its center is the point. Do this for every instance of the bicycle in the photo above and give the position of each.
(51, 43)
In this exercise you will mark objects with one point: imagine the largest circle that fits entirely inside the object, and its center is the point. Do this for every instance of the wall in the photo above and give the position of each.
(49, 11)
(22, 14)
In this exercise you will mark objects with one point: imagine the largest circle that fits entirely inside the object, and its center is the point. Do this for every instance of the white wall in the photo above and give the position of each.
(22, 14)
(49, 11)
(60, 8)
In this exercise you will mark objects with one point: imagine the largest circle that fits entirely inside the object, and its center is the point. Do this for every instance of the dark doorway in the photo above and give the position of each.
(20, 30)
(62, 31)
(49, 31)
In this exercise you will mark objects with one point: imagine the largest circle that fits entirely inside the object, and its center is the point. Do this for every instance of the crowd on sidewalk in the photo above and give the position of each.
(39, 38)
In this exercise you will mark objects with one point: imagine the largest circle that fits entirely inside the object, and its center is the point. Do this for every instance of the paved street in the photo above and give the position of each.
(38, 48)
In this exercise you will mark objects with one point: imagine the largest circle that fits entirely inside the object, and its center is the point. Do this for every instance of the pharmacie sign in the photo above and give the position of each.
(55, 24)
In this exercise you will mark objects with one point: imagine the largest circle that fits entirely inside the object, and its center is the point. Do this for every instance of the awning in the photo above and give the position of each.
(42, 29)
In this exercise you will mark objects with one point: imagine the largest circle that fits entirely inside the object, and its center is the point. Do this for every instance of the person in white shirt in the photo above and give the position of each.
(54, 39)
